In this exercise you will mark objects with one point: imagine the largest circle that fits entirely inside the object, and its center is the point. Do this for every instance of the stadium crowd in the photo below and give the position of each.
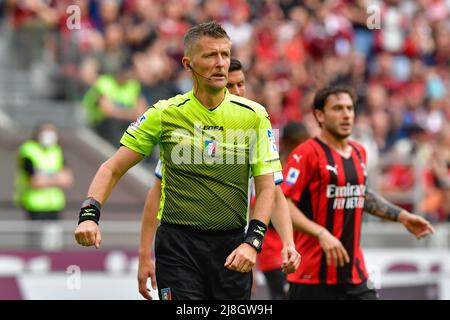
(400, 68)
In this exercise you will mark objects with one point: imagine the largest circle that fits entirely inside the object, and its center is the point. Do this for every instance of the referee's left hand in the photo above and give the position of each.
(242, 259)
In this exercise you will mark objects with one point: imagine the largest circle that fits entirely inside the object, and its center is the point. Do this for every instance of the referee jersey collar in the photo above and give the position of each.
(200, 106)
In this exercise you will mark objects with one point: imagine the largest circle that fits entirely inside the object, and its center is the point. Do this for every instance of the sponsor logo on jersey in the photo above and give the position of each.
(332, 169)
(212, 128)
(297, 157)
(349, 196)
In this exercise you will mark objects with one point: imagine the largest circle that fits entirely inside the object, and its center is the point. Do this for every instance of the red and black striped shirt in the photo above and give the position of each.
(330, 190)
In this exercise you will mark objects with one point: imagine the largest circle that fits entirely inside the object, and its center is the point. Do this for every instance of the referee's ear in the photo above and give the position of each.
(186, 63)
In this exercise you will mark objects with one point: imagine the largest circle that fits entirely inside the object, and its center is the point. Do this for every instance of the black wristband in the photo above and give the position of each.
(90, 210)
(255, 234)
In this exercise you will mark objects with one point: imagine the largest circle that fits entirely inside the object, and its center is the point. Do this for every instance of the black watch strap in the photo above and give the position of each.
(255, 243)
(89, 202)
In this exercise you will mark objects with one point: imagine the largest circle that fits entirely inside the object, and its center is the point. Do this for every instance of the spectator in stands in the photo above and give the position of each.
(42, 174)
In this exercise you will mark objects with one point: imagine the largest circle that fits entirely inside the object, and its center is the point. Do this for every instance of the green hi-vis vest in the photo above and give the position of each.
(46, 160)
(125, 95)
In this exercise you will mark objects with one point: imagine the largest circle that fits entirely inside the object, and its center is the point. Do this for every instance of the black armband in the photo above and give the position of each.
(255, 234)
(90, 210)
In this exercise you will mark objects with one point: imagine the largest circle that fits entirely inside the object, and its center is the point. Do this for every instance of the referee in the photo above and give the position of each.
(201, 249)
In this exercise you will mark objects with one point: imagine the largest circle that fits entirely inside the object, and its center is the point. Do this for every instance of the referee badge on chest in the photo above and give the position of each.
(210, 147)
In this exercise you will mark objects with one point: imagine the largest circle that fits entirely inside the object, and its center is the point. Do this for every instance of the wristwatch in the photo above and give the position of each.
(91, 202)
(254, 242)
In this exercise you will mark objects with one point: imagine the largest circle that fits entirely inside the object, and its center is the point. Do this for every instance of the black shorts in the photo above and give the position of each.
(190, 265)
(300, 291)
(43, 215)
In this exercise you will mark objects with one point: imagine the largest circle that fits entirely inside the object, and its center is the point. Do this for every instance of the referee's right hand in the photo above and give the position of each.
(88, 234)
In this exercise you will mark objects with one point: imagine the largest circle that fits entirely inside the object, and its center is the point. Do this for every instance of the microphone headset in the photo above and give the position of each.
(195, 72)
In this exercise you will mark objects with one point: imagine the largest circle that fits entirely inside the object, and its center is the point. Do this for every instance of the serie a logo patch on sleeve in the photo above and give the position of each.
(292, 176)
(272, 141)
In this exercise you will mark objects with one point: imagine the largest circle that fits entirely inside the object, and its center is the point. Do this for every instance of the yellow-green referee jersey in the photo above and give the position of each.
(207, 156)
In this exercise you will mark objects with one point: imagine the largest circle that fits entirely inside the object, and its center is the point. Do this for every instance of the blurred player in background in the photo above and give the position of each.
(325, 182)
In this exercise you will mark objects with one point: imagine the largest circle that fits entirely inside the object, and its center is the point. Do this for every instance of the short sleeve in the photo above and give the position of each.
(298, 172)
(263, 150)
(143, 134)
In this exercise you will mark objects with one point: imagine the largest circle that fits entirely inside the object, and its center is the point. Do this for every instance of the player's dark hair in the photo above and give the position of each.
(294, 133)
(235, 65)
(320, 99)
(207, 29)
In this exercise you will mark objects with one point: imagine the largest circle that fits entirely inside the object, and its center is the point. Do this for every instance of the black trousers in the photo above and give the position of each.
(299, 291)
(43, 215)
(276, 280)
(190, 265)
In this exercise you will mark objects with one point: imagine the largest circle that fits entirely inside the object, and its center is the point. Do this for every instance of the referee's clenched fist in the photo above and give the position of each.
(88, 234)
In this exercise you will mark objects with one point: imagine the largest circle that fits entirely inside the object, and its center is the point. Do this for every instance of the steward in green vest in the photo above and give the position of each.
(113, 102)
(42, 175)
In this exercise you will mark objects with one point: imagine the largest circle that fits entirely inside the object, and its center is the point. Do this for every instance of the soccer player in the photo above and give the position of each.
(201, 249)
(290, 259)
(325, 182)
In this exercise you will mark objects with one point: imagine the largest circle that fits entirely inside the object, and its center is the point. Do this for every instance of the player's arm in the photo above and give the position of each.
(282, 222)
(87, 233)
(380, 207)
(243, 258)
(138, 140)
(148, 230)
(264, 161)
(111, 171)
(333, 248)
(265, 195)
(301, 167)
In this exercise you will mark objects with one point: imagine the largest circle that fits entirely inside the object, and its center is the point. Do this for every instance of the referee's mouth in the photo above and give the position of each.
(219, 76)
